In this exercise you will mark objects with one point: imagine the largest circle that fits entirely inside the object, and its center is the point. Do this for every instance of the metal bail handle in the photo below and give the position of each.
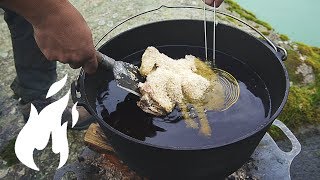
(276, 48)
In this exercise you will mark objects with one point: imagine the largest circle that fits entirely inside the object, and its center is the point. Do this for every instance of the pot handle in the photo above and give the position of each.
(270, 160)
(296, 146)
(279, 50)
(76, 93)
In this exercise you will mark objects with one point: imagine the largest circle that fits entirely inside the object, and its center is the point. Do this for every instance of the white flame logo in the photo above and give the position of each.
(36, 133)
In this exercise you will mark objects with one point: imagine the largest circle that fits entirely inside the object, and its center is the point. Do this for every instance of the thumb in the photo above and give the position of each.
(211, 2)
(218, 2)
(91, 66)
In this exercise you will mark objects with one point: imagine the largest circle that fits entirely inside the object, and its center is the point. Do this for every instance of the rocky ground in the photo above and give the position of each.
(307, 164)
(101, 17)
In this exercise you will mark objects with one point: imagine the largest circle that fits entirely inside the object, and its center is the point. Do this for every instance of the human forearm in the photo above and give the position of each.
(36, 11)
(60, 31)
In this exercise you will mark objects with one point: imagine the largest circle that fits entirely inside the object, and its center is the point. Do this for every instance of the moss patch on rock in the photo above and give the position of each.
(284, 37)
(8, 153)
(292, 63)
(234, 7)
(303, 105)
(305, 49)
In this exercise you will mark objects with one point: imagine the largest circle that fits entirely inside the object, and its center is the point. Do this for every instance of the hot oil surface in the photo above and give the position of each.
(221, 94)
(118, 108)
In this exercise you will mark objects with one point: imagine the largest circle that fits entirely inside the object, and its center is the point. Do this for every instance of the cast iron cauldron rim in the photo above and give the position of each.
(258, 129)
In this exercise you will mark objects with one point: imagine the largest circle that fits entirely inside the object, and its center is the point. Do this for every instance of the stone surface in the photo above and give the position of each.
(307, 73)
(307, 164)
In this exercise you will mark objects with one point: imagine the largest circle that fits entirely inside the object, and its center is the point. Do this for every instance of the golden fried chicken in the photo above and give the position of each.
(168, 82)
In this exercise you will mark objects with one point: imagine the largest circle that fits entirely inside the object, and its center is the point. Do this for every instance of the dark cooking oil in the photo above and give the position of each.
(119, 109)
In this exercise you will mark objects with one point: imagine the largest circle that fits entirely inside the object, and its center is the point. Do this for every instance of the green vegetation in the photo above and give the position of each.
(305, 49)
(303, 105)
(316, 50)
(231, 19)
(292, 63)
(234, 7)
(284, 37)
(266, 33)
(8, 153)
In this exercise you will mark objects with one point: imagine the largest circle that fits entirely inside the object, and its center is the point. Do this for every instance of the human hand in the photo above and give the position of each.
(59, 30)
(66, 37)
(211, 2)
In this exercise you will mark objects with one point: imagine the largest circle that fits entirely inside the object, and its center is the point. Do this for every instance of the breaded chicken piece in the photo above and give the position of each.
(168, 82)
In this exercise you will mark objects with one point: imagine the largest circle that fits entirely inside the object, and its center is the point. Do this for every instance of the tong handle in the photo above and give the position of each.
(105, 61)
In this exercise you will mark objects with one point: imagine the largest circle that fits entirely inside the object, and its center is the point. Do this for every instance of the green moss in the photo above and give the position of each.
(234, 7)
(276, 133)
(316, 50)
(266, 33)
(314, 62)
(305, 49)
(284, 37)
(231, 19)
(292, 62)
(8, 153)
(299, 109)
(303, 105)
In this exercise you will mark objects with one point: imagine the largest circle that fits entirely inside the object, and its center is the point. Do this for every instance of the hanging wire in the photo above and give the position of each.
(214, 35)
(205, 29)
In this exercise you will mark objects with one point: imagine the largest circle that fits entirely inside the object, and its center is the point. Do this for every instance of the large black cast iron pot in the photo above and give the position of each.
(175, 37)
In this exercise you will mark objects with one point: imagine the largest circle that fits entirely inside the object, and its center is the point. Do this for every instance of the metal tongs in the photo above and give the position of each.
(126, 75)
(214, 32)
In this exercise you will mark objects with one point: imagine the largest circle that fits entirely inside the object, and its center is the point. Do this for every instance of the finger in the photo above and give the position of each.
(211, 2)
(91, 66)
(75, 65)
(218, 2)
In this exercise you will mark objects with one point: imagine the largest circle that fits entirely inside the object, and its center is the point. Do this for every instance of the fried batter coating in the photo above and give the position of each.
(168, 82)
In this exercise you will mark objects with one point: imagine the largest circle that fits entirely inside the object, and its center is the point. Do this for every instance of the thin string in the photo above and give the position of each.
(205, 30)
